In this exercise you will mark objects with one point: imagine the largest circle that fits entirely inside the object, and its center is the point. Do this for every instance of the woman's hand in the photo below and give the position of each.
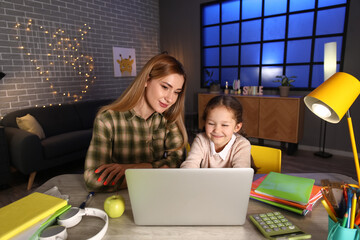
(112, 172)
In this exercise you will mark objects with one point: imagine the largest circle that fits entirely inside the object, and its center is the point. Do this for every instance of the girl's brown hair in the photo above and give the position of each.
(231, 103)
(157, 67)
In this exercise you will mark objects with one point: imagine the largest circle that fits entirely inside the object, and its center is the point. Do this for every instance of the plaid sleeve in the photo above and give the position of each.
(99, 152)
(174, 139)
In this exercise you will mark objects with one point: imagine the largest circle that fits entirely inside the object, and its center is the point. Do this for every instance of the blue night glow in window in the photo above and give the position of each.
(211, 56)
(251, 8)
(251, 31)
(249, 76)
(273, 53)
(211, 36)
(274, 28)
(230, 34)
(228, 74)
(330, 21)
(301, 25)
(250, 54)
(211, 14)
(230, 55)
(326, 3)
(273, 7)
(298, 51)
(301, 72)
(255, 40)
(268, 75)
(296, 5)
(230, 11)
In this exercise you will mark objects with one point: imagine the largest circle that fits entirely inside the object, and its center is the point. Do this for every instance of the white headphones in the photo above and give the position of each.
(71, 218)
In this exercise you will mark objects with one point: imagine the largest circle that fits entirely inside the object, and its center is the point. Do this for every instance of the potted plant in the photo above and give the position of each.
(214, 85)
(285, 84)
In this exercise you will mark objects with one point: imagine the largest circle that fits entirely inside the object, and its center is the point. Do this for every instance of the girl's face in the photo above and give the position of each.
(220, 125)
(161, 94)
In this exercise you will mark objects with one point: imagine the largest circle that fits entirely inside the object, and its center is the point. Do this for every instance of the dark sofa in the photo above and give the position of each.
(68, 131)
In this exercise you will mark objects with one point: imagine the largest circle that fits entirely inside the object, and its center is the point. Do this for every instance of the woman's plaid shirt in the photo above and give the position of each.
(124, 137)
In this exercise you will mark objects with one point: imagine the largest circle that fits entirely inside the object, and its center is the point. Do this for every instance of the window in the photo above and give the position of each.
(255, 40)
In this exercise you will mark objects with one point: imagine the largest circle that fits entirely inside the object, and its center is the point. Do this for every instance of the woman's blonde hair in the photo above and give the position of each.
(157, 67)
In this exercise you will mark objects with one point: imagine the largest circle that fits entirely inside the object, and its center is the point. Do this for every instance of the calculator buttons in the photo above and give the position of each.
(273, 222)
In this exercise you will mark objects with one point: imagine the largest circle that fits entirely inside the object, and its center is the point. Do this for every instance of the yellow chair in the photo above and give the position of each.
(266, 159)
(187, 149)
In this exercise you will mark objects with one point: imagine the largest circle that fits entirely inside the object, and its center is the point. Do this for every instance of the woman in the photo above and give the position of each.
(143, 128)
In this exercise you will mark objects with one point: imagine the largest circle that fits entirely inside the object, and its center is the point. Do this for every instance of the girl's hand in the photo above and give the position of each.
(111, 173)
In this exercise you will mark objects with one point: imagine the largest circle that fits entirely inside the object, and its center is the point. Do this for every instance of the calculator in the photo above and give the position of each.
(274, 225)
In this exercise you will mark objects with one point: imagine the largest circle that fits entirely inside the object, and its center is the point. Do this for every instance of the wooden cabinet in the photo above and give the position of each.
(266, 117)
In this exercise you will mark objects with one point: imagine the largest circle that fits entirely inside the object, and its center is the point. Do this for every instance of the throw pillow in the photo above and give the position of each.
(30, 124)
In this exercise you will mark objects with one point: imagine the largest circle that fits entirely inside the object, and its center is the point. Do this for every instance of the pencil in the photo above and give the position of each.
(345, 220)
(353, 210)
(331, 214)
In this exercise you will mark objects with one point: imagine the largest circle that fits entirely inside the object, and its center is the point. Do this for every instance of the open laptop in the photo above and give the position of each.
(203, 196)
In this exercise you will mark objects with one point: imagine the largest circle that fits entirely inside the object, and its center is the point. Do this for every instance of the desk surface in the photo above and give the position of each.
(315, 222)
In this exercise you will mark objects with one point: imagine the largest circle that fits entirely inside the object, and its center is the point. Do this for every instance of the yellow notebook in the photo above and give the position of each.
(25, 212)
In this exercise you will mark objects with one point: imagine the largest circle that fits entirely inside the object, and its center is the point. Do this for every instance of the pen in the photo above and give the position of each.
(331, 214)
(82, 205)
(353, 210)
(345, 196)
(349, 195)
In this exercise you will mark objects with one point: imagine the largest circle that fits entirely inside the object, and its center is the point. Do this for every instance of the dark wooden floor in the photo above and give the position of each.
(301, 161)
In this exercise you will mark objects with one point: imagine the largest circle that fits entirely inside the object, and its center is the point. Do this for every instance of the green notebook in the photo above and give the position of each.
(291, 188)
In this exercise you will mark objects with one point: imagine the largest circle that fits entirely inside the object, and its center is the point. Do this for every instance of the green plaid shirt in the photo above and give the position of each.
(124, 137)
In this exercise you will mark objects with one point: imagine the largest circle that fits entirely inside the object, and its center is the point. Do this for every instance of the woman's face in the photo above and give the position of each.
(161, 94)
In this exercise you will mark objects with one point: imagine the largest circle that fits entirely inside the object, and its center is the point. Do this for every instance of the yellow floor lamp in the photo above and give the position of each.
(332, 99)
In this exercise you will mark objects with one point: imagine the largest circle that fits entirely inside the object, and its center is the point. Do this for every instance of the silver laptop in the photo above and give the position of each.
(203, 196)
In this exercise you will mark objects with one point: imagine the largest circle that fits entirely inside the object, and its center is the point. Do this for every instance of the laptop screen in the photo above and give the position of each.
(203, 196)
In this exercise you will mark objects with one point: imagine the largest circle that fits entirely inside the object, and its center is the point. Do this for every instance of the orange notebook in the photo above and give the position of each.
(314, 196)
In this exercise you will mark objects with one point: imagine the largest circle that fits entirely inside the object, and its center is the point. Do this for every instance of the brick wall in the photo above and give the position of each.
(48, 60)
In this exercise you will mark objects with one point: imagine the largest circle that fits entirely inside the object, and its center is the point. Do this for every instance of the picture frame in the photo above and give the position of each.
(124, 62)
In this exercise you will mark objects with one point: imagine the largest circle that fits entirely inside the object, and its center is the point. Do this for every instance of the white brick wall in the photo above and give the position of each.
(121, 23)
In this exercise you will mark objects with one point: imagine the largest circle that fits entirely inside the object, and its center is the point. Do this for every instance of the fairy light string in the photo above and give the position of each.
(55, 52)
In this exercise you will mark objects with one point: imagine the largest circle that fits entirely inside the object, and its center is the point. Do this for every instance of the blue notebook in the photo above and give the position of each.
(287, 187)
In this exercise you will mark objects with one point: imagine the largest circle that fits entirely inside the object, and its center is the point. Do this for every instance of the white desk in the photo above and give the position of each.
(124, 227)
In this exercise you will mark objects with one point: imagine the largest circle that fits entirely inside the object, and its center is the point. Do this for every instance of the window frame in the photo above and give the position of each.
(312, 63)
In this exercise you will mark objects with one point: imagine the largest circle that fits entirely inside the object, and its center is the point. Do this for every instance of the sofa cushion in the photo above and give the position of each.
(30, 124)
(66, 143)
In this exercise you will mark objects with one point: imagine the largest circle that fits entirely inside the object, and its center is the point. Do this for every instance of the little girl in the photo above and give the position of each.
(222, 145)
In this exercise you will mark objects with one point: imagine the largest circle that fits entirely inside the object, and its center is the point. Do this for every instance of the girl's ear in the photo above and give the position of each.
(237, 127)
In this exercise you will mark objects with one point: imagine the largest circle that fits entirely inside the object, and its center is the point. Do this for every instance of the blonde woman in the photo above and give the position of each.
(143, 128)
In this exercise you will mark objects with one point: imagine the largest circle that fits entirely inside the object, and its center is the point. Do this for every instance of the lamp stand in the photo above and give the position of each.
(353, 145)
(322, 152)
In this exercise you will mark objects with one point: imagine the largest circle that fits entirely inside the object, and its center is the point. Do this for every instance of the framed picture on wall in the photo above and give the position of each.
(124, 62)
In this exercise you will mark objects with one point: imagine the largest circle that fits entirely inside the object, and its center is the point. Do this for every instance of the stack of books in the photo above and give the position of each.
(296, 194)
(22, 218)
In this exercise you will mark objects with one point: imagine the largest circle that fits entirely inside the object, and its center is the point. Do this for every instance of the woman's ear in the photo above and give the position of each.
(146, 82)
(237, 128)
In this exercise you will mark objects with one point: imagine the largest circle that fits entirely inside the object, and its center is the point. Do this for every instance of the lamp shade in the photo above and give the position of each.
(331, 100)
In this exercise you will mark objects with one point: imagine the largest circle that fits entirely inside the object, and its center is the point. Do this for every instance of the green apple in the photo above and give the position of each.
(114, 206)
